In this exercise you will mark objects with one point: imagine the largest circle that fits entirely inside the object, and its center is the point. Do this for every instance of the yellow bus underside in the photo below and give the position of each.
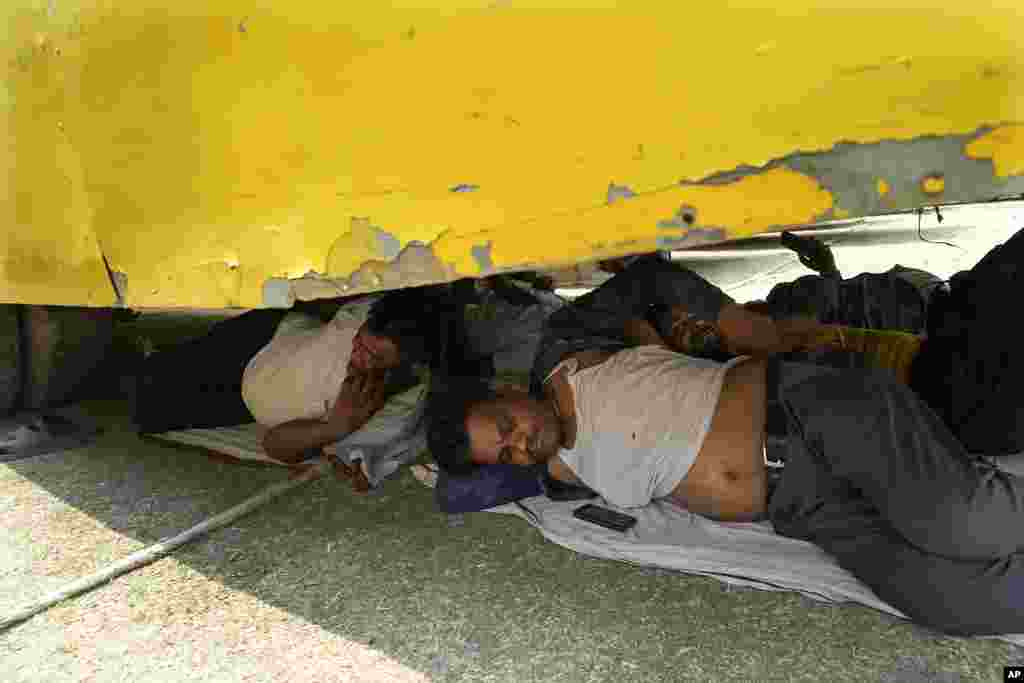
(208, 151)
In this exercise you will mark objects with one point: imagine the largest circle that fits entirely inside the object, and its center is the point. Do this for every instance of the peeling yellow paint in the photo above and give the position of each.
(882, 187)
(354, 247)
(1004, 146)
(205, 148)
(778, 197)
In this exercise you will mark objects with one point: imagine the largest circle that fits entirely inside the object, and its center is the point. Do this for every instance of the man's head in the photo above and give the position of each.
(472, 424)
(403, 327)
(374, 351)
(419, 325)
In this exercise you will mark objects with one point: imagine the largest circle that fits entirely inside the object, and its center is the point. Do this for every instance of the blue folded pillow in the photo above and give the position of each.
(487, 487)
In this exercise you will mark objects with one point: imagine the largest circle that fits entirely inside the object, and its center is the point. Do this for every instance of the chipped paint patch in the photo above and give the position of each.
(1004, 146)
(850, 171)
(684, 218)
(692, 238)
(482, 255)
(277, 293)
(388, 245)
(362, 242)
(671, 223)
(465, 188)
(616, 192)
(415, 265)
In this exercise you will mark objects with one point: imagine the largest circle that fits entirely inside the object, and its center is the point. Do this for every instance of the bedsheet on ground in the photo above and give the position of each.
(665, 536)
(753, 555)
(668, 537)
(394, 436)
(241, 441)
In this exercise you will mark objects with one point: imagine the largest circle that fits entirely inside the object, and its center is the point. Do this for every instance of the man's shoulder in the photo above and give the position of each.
(591, 357)
(557, 351)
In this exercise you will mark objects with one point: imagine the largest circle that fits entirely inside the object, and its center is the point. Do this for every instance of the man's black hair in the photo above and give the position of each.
(448, 404)
(410, 318)
(428, 326)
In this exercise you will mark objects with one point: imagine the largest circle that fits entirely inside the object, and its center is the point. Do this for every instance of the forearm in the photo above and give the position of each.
(288, 442)
(749, 333)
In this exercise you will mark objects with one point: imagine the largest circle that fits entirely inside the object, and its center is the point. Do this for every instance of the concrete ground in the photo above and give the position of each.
(326, 585)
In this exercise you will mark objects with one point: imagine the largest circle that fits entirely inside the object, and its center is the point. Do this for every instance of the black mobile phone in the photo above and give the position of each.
(602, 516)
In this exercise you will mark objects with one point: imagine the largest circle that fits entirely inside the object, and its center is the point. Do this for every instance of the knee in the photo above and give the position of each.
(965, 609)
(958, 597)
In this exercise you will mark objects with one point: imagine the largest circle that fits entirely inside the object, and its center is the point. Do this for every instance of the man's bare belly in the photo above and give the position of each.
(728, 480)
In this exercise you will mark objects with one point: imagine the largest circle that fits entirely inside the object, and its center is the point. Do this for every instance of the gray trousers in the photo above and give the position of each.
(879, 482)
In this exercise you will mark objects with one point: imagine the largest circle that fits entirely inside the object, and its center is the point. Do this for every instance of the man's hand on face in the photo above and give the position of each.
(361, 395)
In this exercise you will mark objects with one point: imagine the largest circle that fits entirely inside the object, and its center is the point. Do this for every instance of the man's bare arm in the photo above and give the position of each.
(738, 330)
(291, 442)
(360, 397)
(748, 332)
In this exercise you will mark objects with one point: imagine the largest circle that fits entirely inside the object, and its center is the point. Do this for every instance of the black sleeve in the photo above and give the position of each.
(663, 284)
(597, 319)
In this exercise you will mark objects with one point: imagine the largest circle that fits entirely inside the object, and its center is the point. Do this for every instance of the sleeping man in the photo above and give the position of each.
(309, 382)
(873, 476)
(965, 367)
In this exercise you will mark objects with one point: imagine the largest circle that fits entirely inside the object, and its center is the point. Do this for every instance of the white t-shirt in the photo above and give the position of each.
(642, 416)
(299, 373)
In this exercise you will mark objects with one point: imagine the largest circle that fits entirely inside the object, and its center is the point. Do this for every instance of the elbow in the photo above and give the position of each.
(270, 446)
(276, 451)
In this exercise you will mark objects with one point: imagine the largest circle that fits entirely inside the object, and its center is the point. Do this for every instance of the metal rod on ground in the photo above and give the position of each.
(159, 549)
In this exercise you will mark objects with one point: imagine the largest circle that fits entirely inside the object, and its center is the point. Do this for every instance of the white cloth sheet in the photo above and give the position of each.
(665, 536)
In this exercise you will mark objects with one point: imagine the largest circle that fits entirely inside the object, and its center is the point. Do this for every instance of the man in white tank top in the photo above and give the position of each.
(873, 476)
(309, 382)
(650, 407)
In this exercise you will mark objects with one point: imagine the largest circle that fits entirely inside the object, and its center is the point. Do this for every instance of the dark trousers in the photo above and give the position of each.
(198, 384)
(875, 478)
(971, 368)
